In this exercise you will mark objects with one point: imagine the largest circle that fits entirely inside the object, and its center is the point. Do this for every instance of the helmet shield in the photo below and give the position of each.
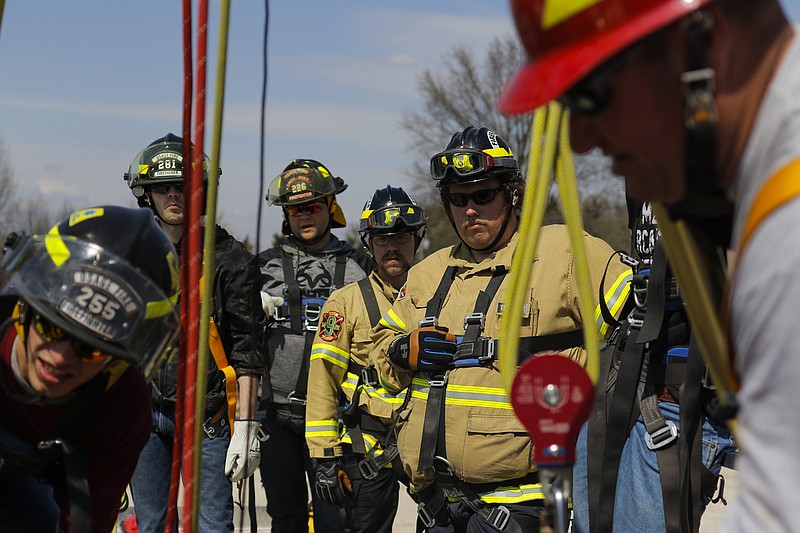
(467, 162)
(392, 219)
(302, 185)
(93, 295)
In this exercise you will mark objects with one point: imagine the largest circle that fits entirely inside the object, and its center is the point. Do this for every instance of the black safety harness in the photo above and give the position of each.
(359, 422)
(303, 318)
(647, 358)
(473, 350)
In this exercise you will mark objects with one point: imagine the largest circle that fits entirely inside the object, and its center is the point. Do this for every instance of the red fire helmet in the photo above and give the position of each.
(566, 39)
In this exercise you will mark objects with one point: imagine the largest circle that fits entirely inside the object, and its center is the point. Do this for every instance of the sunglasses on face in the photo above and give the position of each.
(467, 162)
(53, 334)
(592, 94)
(311, 209)
(398, 238)
(481, 197)
(164, 189)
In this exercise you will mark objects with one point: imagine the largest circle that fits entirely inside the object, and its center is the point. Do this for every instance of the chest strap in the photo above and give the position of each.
(433, 433)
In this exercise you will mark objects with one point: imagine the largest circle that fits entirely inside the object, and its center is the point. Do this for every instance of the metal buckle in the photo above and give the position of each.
(639, 286)
(428, 322)
(474, 319)
(425, 515)
(499, 516)
(635, 322)
(654, 440)
(368, 469)
(438, 382)
(698, 87)
(312, 312)
(369, 376)
(295, 399)
(628, 260)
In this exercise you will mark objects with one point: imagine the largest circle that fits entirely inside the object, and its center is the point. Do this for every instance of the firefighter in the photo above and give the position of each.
(696, 102)
(298, 276)
(358, 466)
(468, 457)
(230, 449)
(82, 307)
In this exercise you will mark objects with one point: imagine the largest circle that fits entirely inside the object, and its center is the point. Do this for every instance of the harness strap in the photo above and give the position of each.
(351, 415)
(656, 283)
(221, 360)
(293, 296)
(433, 432)
(435, 304)
(339, 271)
(218, 351)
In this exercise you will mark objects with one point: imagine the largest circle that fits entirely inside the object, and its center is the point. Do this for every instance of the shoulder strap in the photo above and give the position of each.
(370, 301)
(782, 187)
(435, 303)
(293, 297)
(339, 271)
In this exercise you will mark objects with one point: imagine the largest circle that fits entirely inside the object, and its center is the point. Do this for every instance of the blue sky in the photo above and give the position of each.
(86, 85)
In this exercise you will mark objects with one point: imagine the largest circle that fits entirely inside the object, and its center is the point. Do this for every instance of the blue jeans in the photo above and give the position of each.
(285, 465)
(638, 505)
(150, 483)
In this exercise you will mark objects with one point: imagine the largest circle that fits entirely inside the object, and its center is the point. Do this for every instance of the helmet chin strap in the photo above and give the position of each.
(705, 201)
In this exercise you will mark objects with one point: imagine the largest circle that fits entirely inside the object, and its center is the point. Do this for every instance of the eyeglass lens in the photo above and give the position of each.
(398, 238)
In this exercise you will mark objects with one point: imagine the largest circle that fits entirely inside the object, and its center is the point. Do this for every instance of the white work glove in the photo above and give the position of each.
(269, 303)
(244, 451)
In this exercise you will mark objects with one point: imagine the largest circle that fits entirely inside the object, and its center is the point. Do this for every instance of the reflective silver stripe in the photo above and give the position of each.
(330, 353)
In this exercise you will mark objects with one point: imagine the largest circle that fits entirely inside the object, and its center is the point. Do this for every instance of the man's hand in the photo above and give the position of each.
(332, 483)
(269, 303)
(430, 348)
(244, 451)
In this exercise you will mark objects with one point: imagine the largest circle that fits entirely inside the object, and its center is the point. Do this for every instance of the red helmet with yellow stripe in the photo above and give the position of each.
(566, 39)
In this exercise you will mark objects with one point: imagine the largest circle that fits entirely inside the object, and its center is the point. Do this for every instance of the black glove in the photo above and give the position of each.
(429, 348)
(332, 483)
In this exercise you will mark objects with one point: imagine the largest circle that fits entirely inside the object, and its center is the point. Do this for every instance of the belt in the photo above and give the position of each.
(214, 425)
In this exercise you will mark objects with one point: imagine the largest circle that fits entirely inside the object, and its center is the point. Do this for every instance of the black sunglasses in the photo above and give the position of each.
(592, 94)
(481, 197)
(164, 189)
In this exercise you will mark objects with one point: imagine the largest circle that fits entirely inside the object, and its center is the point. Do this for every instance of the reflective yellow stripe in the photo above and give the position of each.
(392, 321)
(615, 298)
(331, 354)
(466, 395)
(522, 493)
(322, 428)
(56, 249)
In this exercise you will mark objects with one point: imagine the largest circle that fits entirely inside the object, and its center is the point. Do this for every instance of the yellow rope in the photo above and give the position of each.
(571, 207)
(549, 136)
(540, 167)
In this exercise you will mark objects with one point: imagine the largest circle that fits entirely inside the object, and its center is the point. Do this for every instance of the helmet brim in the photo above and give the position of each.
(550, 75)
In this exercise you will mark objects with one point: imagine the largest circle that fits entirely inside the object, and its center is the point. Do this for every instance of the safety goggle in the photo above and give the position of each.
(466, 162)
(298, 210)
(388, 217)
(592, 94)
(481, 197)
(52, 334)
(164, 189)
